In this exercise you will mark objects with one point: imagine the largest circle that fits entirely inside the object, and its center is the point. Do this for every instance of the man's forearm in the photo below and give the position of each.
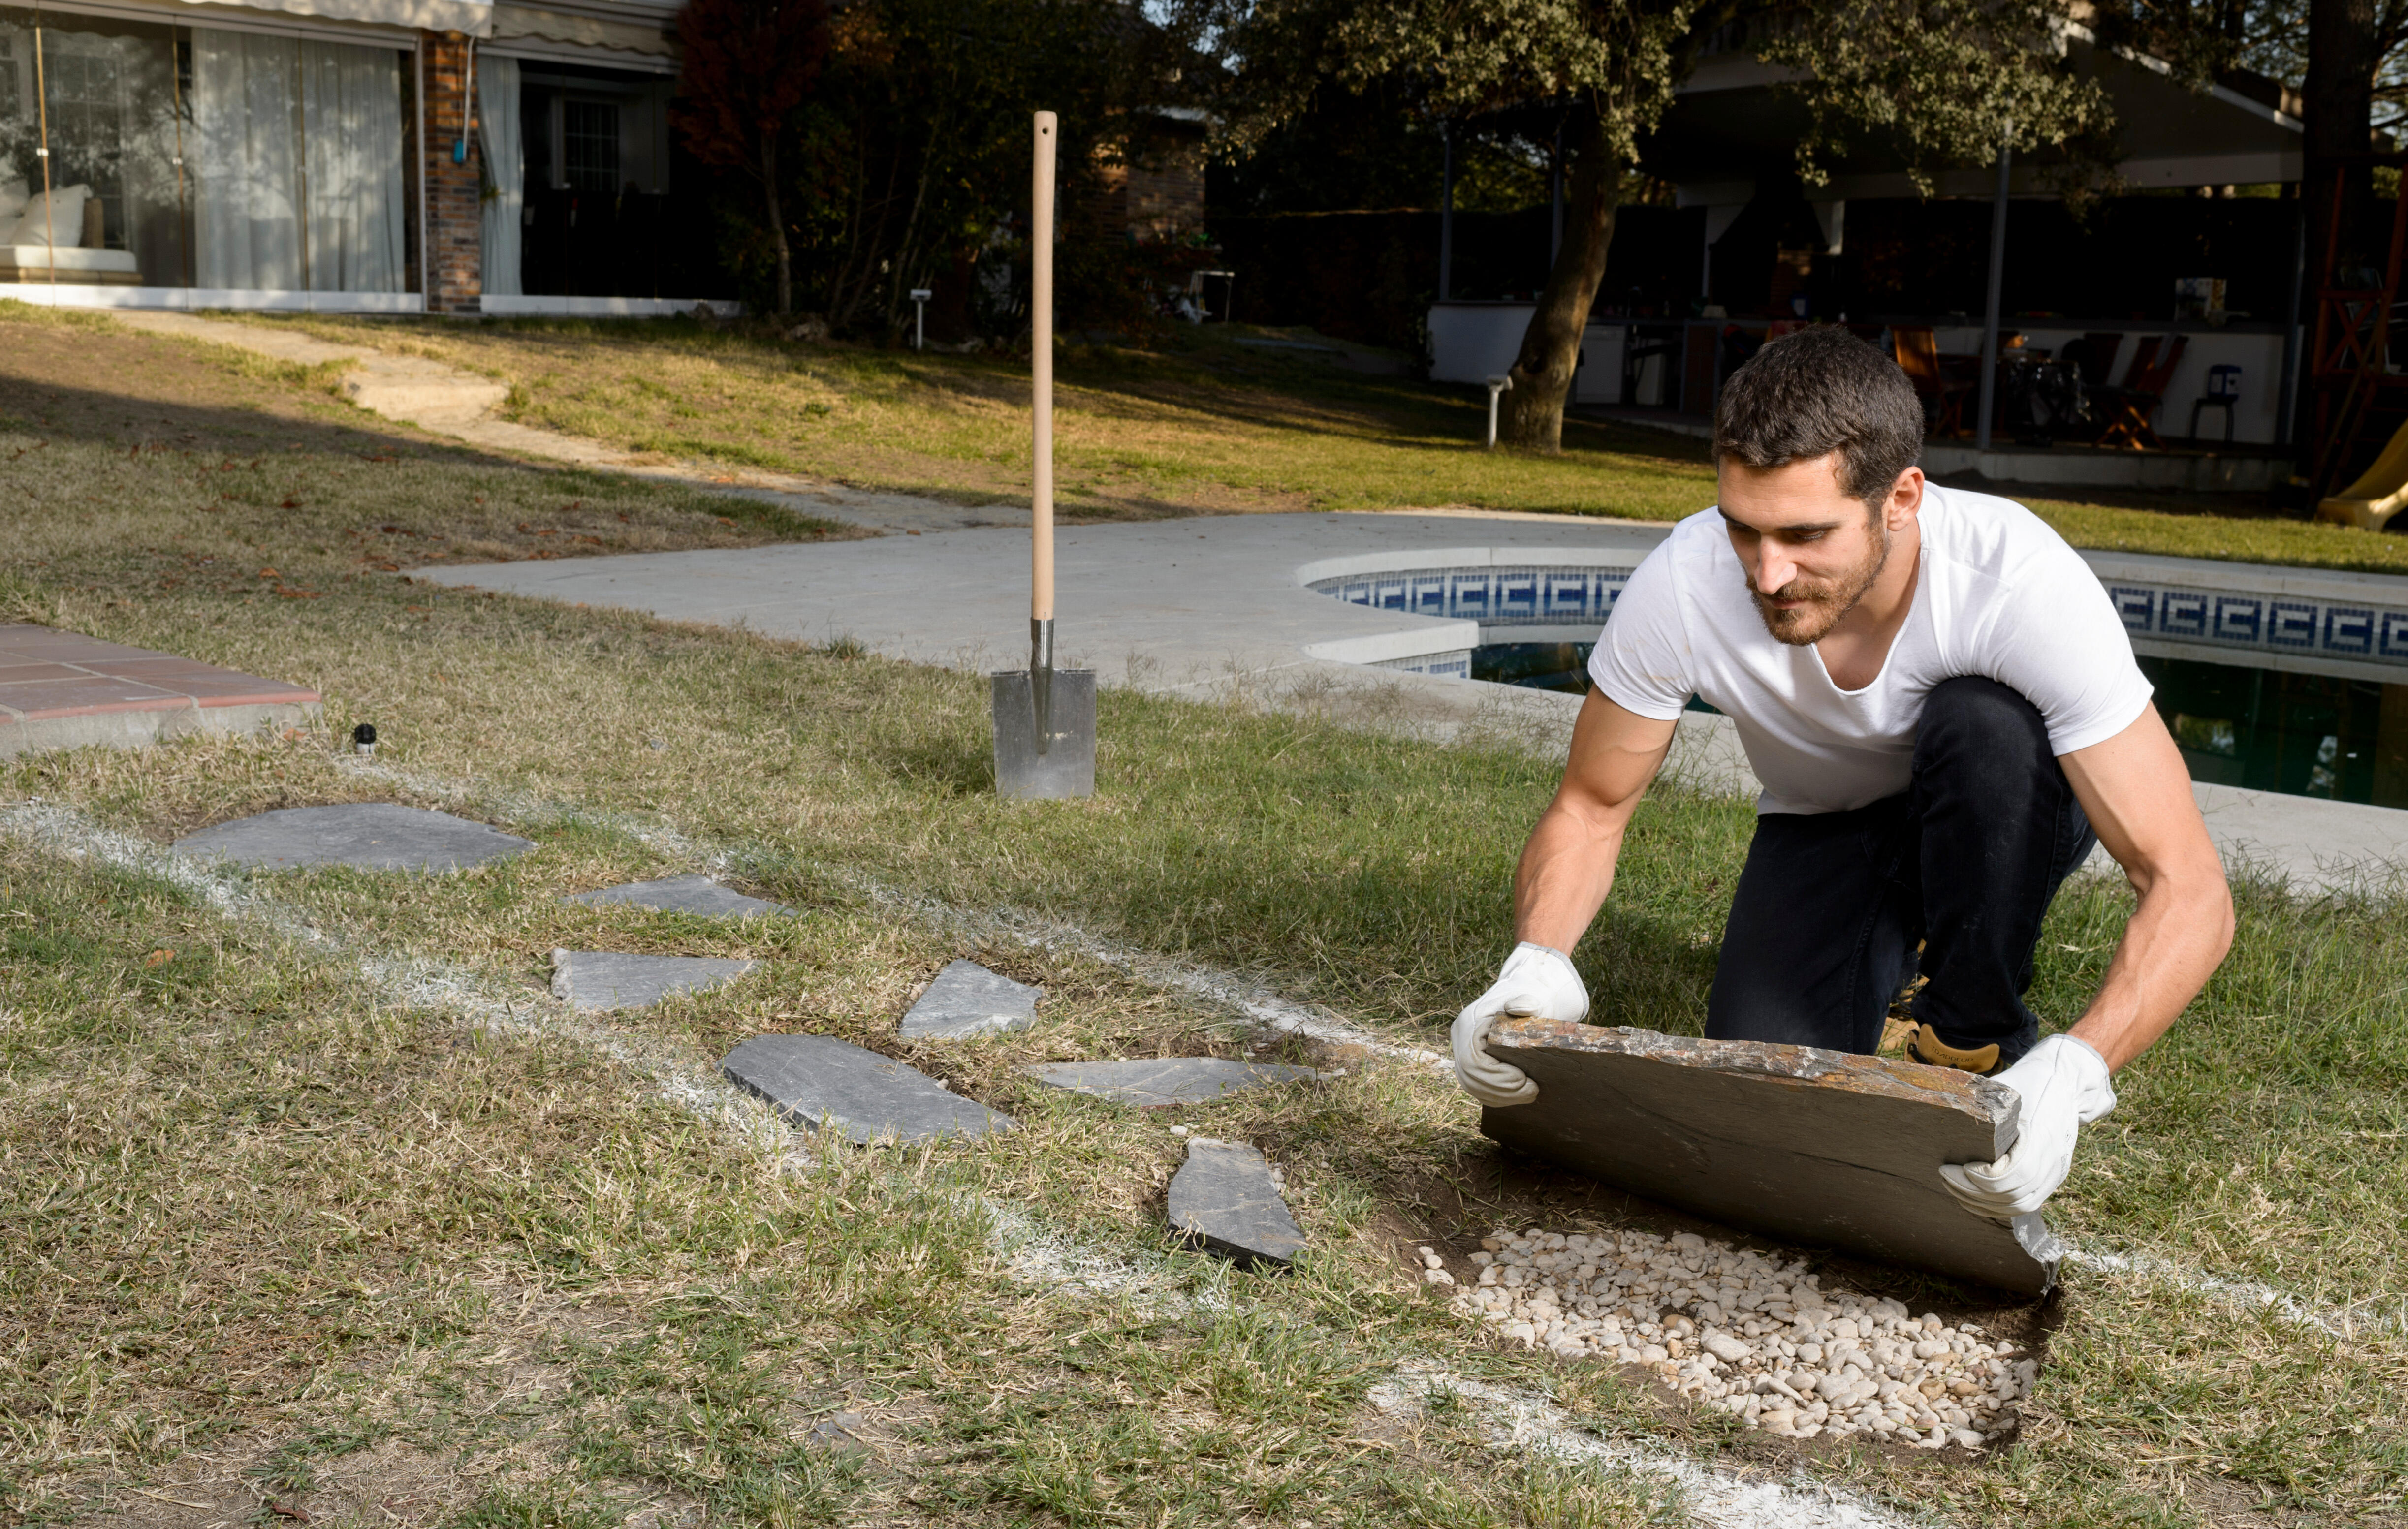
(2170, 948)
(1567, 869)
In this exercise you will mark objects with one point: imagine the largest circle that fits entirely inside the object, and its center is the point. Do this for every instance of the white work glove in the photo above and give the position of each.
(2063, 1085)
(1537, 982)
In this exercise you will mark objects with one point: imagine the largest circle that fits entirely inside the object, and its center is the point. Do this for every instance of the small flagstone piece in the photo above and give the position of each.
(966, 999)
(696, 894)
(1162, 1081)
(821, 1082)
(1227, 1197)
(601, 979)
(371, 836)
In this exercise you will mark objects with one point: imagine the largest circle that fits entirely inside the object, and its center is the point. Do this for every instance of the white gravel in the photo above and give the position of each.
(1747, 1334)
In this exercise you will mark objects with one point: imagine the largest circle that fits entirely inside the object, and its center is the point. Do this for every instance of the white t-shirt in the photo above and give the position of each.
(1998, 594)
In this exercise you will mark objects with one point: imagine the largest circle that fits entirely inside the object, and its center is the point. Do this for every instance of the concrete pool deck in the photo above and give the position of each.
(1213, 605)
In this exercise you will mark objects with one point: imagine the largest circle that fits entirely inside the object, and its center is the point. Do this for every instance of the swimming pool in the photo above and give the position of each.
(2304, 734)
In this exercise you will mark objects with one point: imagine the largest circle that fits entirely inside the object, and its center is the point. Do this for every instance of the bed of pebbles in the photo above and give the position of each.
(1747, 1334)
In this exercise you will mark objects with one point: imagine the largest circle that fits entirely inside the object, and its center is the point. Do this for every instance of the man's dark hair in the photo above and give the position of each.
(1816, 391)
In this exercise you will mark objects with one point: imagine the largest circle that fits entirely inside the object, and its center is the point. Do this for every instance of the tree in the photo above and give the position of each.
(1944, 80)
(749, 66)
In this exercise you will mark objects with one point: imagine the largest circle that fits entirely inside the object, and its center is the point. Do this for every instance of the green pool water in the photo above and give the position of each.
(2306, 734)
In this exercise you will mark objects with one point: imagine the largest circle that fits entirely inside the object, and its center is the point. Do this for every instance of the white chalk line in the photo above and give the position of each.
(1519, 1419)
(2362, 1318)
(1265, 1007)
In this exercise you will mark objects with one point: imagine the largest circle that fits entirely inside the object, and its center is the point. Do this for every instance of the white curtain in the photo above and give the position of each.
(272, 115)
(246, 170)
(499, 133)
(351, 124)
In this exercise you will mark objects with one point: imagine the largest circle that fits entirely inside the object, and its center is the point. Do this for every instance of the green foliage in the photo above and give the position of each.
(916, 149)
(1941, 81)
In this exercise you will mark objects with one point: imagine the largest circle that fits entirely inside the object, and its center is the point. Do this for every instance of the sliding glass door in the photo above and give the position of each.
(156, 155)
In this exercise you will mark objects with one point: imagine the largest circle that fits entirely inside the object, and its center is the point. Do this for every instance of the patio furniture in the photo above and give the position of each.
(2129, 408)
(1917, 351)
(2223, 392)
(2039, 397)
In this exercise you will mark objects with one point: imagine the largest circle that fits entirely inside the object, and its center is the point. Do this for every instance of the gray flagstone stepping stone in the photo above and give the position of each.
(819, 1081)
(1225, 1197)
(966, 999)
(1165, 1080)
(611, 980)
(372, 836)
(1793, 1141)
(698, 894)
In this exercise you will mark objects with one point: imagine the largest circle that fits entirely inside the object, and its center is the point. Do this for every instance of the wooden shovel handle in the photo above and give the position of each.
(1040, 345)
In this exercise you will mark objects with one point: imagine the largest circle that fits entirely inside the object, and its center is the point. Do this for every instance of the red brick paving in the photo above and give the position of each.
(47, 674)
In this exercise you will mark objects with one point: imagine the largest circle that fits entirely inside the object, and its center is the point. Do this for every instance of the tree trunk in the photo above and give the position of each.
(1532, 416)
(778, 230)
(2340, 95)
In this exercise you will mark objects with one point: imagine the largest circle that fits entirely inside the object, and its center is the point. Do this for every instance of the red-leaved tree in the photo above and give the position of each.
(749, 65)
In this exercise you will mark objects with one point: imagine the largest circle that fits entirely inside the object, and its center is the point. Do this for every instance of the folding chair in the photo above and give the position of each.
(2127, 408)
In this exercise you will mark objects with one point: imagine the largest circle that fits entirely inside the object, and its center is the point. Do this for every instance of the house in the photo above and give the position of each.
(381, 156)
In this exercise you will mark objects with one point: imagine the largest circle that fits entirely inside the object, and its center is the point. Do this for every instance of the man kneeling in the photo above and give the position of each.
(1946, 717)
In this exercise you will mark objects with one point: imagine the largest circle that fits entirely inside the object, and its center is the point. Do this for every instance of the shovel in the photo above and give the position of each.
(1044, 717)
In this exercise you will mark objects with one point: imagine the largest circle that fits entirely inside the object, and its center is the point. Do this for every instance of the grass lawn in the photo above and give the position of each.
(310, 1195)
(1196, 423)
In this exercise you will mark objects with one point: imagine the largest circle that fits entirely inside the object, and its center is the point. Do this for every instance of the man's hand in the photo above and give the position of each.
(2063, 1086)
(1537, 982)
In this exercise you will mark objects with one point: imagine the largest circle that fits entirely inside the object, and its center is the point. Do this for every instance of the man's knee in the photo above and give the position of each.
(1972, 721)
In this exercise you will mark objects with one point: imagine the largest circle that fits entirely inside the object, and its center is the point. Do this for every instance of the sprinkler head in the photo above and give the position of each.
(363, 740)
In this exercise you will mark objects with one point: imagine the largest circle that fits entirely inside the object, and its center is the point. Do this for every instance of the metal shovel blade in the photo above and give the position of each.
(1067, 766)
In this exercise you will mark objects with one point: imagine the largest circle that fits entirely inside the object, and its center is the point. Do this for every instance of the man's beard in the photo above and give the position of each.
(1828, 601)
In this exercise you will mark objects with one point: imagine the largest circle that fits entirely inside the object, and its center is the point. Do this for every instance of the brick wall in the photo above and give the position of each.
(455, 193)
(1165, 193)
(1150, 187)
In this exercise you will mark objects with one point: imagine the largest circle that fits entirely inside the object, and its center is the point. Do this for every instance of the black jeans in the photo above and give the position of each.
(1830, 907)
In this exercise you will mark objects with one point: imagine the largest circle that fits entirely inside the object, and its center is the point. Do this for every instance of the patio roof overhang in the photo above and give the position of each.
(471, 17)
(1732, 127)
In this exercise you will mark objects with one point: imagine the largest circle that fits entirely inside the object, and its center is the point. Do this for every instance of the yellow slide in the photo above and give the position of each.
(2380, 492)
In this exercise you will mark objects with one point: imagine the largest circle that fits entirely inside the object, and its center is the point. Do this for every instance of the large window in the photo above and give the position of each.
(201, 157)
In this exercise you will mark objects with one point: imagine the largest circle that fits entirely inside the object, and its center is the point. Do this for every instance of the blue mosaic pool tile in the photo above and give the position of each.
(2183, 613)
(2219, 618)
(2137, 606)
(2349, 630)
(2239, 618)
(1498, 595)
(2393, 635)
(2291, 624)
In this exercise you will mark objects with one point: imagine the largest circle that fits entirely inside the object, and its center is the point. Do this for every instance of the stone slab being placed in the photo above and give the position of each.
(821, 1082)
(1164, 1081)
(601, 979)
(63, 689)
(1225, 1197)
(696, 894)
(1798, 1143)
(966, 999)
(371, 836)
